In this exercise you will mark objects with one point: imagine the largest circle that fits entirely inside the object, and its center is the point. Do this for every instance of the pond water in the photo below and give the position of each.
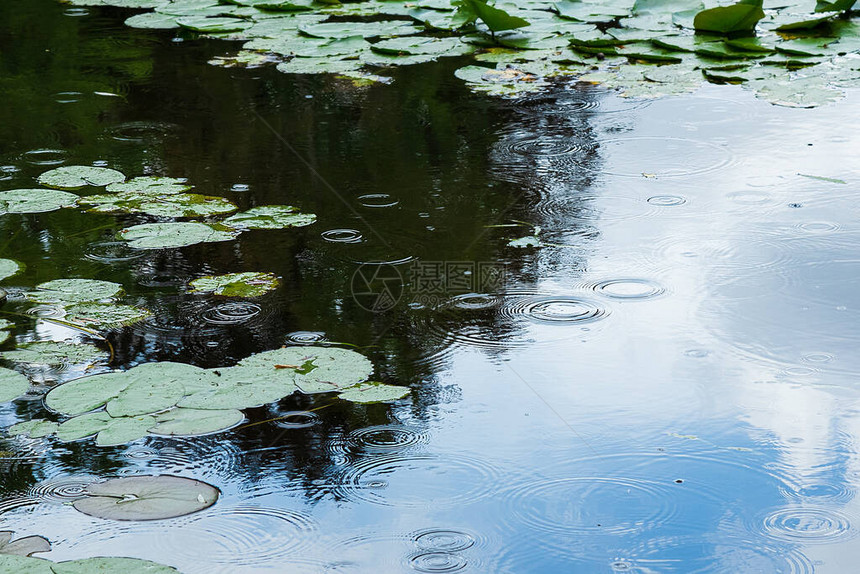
(665, 383)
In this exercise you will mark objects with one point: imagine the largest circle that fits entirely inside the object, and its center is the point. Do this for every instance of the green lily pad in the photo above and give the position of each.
(740, 17)
(54, 353)
(111, 565)
(172, 235)
(190, 422)
(212, 24)
(110, 431)
(176, 205)
(152, 21)
(35, 200)
(151, 185)
(248, 284)
(77, 176)
(242, 387)
(36, 428)
(102, 316)
(67, 291)
(12, 564)
(26, 546)
(365, 393)
(8, 268)
(146, 498)
(270, 217)
(86, 394)
(316, 369)
(12, 385)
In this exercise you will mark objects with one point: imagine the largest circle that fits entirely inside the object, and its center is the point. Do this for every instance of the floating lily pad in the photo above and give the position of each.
(36, 428)
(8, 268)
(67, 291)
(316, 369)
(35, 200)
(146, 498)
(77, 176)
(270, 217)
(104, 316)
(111, 565)
(243, 387)
(151, 185)
(374, 393)
(110, 431)
(248, 284)
(172, 235)
(54, 353)
(12, 385)
(26, 546)
(189, 422)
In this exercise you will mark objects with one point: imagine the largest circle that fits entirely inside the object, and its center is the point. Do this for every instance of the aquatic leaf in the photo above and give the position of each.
(152, 21)
(83, 426)
(146, 498)
(77, 176)
(150, 185)
(104, 316)
(319, 66)
(36, 428)
(373, 393)
(820, 178)
(55, 353)
(665, 6)
(12, 385)
(145, 396)
(270, 217)
(333, 368)
(836, 6)
(805, 24)
(423, 45)
(248, 284)
(35, 200)
(87, 393)
(242, 387)
(212, 24)
(171, 235)
(22, 546)
(12, 564)
(740, 17)
(183, 205)
(124, 430)
(190, 422)
(111, 565)
(74, 291)
(496, 19)
(8, 268)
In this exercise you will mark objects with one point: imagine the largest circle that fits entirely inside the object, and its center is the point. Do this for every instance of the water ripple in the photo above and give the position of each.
(806, 525)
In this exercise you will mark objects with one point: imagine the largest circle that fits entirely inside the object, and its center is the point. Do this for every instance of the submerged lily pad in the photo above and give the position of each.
(35, 200)
(374, 393)
(248, 284)
(67, 291)
(12, 385)
(172, 235)
(55, 353)
(270, 217)
(77, 176)
(26, 546)
(146, 498)
(8, 268)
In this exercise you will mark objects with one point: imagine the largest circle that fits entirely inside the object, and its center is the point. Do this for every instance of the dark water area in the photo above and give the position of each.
(667, 384)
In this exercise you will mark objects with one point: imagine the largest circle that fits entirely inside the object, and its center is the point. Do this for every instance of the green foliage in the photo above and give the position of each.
(496, 19)
(740, 17)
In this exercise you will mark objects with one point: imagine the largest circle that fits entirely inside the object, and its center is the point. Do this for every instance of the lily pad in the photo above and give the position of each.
(111, 431)
(36, 428)
(35, 200)
(87, 393)
(8, 268)
(740, 17)
(146, 498)
(248, 284)
(111, 565)
(151, 185)
(67, 291)
(77, 176)
(242, 387)
(12, 385)
(172, 235)
(270, 217)
(55, 353)
(96, 315)
(26, 546)
(316, 369)
(189, 422)
(373, 393)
